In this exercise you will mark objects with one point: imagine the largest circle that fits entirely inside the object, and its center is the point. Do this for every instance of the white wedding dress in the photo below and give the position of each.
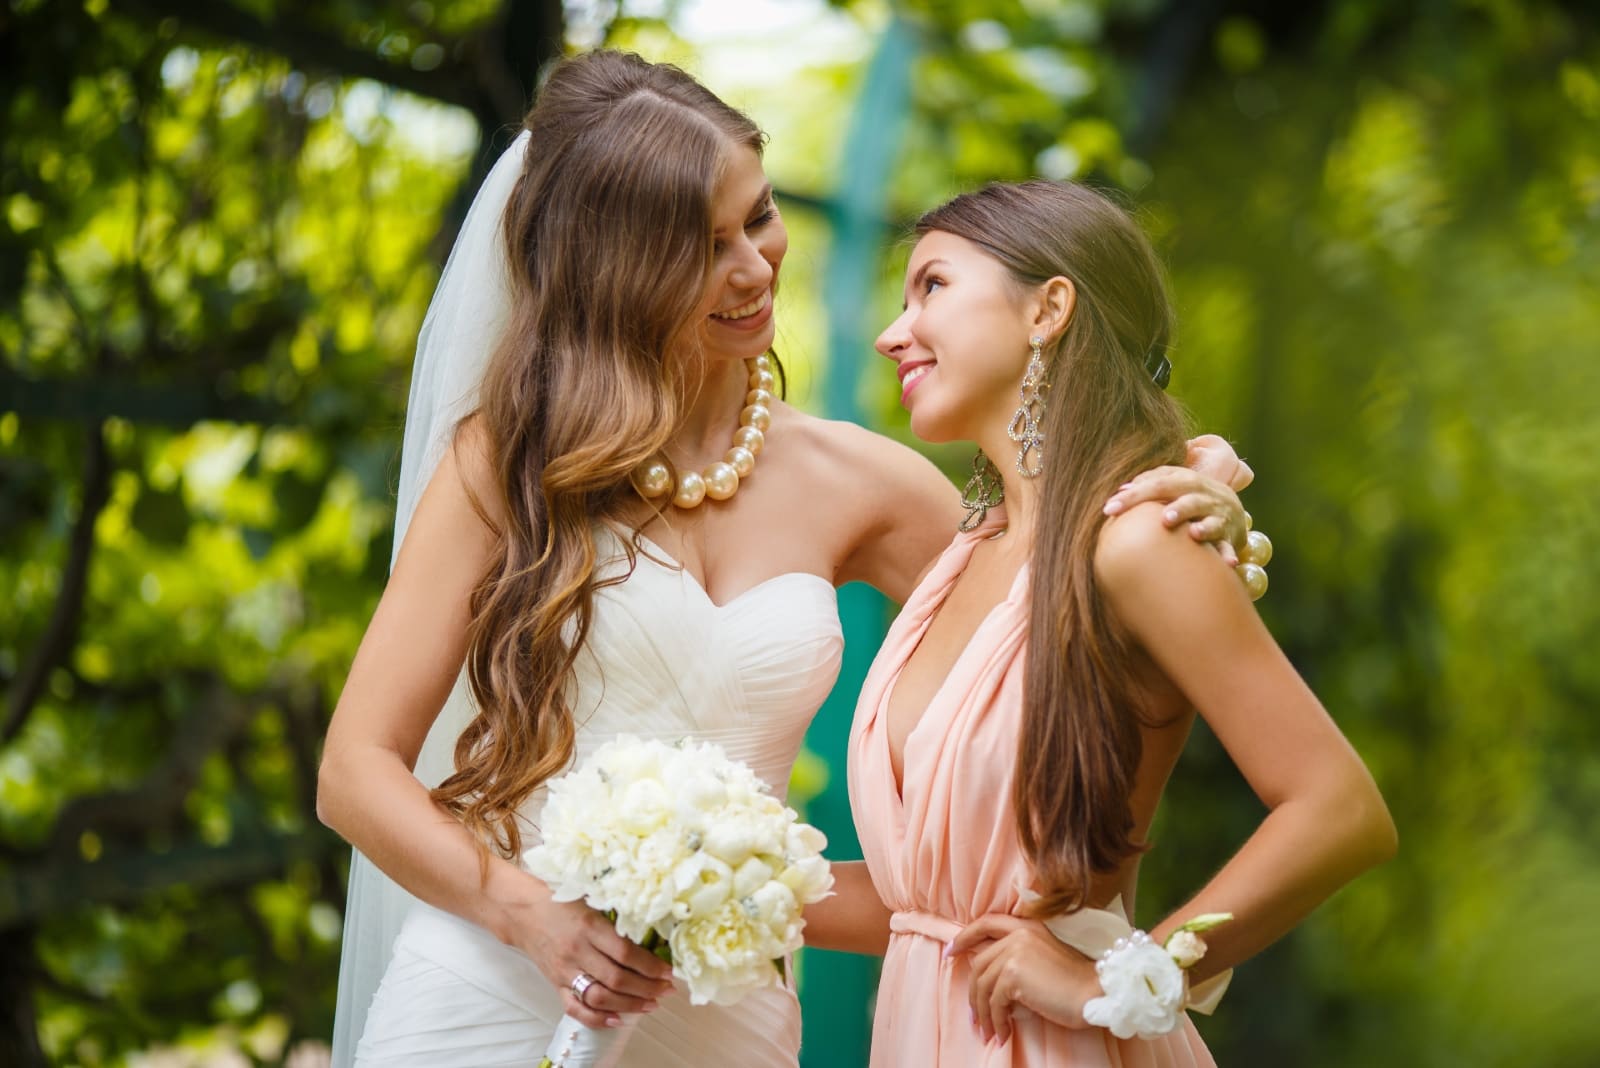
(662, 660)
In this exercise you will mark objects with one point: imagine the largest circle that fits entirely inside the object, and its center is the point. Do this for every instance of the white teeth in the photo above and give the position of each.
(747, 310)
(914, 374)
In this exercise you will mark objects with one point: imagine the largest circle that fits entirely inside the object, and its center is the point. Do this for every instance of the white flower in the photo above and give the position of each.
(802, 839)
(644, 805)
(774, 905)
(724, 956)
(1143, 989)
(1185, 948)
(703, 884)
(737, 837)
(680, 841)
(750, 876)
(809, 879)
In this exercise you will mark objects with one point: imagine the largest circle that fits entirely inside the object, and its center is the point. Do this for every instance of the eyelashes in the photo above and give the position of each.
(756, 223)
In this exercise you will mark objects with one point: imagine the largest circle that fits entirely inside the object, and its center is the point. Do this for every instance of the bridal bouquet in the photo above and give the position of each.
(692, 857)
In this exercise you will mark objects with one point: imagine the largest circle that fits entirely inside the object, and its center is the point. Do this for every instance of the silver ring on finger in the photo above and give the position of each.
(580, 986)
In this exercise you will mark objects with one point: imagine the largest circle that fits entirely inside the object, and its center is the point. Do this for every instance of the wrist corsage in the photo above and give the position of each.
(1145, 985)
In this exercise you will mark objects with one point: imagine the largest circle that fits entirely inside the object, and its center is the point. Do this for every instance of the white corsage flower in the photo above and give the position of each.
(1143, 989)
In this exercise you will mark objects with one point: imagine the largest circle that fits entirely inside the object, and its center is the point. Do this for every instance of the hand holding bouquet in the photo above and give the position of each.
(692, 857)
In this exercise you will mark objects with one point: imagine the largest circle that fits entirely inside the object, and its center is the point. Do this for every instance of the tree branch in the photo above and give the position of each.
(156, 802)
(61, 631)
(453, 82)
(50, 885)
(19, 1033)
(1178, 37)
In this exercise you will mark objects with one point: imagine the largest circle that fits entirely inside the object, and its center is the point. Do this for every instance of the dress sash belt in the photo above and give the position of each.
(927, 924)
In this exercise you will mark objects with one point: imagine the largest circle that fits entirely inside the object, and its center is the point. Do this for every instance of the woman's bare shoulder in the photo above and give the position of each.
(847, 446)
(472, 461)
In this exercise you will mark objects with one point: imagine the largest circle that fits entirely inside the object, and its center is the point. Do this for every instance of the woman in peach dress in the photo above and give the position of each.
(1018, 728)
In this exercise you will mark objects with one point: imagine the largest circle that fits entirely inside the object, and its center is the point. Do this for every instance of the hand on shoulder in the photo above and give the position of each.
(1139, 554)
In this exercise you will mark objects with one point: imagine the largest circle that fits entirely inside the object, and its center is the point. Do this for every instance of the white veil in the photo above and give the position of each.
(469, 309)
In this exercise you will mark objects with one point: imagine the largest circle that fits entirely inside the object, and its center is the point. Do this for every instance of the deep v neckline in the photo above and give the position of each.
(668, 562)
(897, 779)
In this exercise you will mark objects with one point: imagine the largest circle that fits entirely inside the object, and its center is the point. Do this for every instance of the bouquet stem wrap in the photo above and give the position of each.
(576, 1045)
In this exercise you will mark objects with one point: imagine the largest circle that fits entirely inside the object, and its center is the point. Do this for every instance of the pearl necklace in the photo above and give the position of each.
(720, 480)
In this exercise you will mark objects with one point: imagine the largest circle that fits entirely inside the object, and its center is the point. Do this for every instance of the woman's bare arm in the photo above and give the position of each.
(1326, 821)
(403, 672)
(854, 919)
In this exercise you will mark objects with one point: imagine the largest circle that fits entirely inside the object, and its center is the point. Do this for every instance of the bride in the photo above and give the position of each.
(608, 521)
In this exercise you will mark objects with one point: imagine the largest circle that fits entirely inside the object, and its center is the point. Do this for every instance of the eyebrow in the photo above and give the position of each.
(922, 272)
(761, 198)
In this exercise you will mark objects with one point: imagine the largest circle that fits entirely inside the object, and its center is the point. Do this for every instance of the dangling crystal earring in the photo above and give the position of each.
(1024, 428)
(983, 491)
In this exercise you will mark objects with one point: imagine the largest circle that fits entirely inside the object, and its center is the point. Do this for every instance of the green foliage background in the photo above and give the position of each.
(217, 239)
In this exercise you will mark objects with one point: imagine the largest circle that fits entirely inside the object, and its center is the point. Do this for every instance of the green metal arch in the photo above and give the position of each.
(836, 990)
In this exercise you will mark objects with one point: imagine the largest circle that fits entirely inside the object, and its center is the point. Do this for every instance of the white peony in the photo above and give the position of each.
(808, 877)
(724, 956)
(1143, 989)
(703, 883)
(680, 843)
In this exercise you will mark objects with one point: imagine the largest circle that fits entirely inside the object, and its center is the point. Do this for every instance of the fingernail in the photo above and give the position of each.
(949, 948)
(1172, 515)
(613, 1021)
(1113, 507)
(1125, 485)
(651, 1006)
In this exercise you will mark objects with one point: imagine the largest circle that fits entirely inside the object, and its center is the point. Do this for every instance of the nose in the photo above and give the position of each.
(896, 337)
(752, 271)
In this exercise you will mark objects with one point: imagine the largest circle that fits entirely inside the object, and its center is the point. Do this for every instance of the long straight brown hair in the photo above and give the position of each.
(1105, 421)
(609, 238)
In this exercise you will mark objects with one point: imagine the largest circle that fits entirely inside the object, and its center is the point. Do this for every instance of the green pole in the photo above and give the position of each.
(837, 988)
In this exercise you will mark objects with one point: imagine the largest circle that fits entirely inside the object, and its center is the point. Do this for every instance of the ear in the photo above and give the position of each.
(1052, 307)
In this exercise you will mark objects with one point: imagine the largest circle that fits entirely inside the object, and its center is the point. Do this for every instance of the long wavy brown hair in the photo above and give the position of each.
(609, 239)
(1105, 421)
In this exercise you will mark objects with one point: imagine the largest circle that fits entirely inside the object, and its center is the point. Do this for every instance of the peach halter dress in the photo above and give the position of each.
(946, 852)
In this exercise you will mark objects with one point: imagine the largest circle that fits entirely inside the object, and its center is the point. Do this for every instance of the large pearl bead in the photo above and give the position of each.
(1249, 524)
(653, 478)
(721, 481)
(1255, 579)
(1257, 548)
(758, 416)
(759, 396)
(691, 490)
(742, 460)
(750, 438)
(761, 363)
(763, 380)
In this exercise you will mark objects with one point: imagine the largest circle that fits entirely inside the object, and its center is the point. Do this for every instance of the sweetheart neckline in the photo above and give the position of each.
(673, 564)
